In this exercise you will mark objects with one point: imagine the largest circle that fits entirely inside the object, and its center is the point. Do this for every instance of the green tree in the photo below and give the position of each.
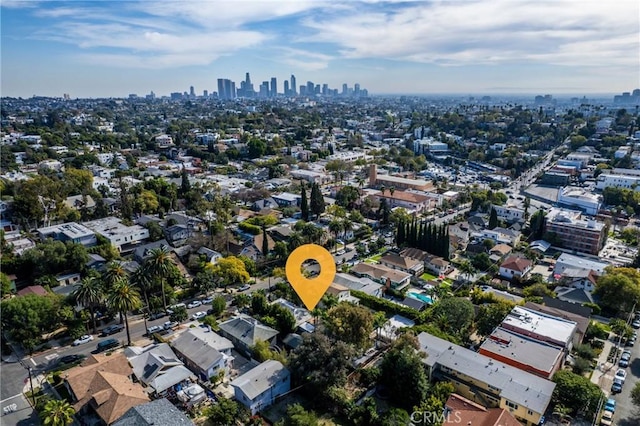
(298, 416)
(5, 285)
(635, 394)
(403, 374)
(256, 148)
(179, 314)
(304, 204)
(185, 185)
(155, 231)
(350, 323)
(58, 412)
(537, 290)
(576, 392)
(226, 412)
(453, 314)
(316, 204)
(230, 270)
(619, 288)
(28, 317)
(90, 294)
(265, 243)
(347, 197)
(124, 298)
(319, 363)
(259, 305)
(491, 315)
(493, 219)
(218, 305)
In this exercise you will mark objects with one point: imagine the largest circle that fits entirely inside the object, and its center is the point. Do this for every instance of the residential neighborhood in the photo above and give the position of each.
(486, 252)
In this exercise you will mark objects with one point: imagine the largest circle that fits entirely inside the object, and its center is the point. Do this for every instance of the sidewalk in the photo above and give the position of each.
(604, 372)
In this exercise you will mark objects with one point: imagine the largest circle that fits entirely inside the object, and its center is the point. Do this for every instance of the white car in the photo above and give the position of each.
(194, 304)
(207, 301)
(244, 287)
(198, 315)
(621, 375)
(82, 339)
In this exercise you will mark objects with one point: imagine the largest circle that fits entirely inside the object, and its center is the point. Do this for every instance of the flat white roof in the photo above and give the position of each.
(557, 329)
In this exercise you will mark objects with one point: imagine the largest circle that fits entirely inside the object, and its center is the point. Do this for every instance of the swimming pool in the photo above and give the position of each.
(422, 297)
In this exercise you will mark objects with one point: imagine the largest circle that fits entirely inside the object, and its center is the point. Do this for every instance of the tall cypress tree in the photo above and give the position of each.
(304, 205)
(493, 219)
(317, 201)
(446, 245)
(265, 243)
(400, 234)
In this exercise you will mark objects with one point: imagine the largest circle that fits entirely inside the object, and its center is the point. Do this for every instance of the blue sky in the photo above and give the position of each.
(113, 48)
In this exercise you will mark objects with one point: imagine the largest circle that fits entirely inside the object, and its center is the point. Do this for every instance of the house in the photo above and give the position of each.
(96, 262)
(245, 331)
(155, 413)
(259, 387)
(265, 203)
(438, 265)
(286, 199)
(382, 274)
(191, 222)
(583, 279)
(486, 381)
(342, 293)
(525, 353)
(253, 250)
(573, 295)
(142, 252)
(364, 285)
(120, 236)
(33, 289)
(401, 263)
(102, 384)
(70, 231)
(204, 352)
(515, 267)
(80, 202)
(177, 235)
(301, 315)
(157, 367)
(500, 250)
(462, 411)
(541, 326)
(211, 256)
(568, 261)
(500, 235)
(68, 279)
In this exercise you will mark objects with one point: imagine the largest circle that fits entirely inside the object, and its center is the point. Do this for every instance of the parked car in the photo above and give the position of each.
(630, 342)
(157, 315)
(172, 308)
(616, 387)
(621, 375)
(194, 304)
(198, 315)
(154, 329)
(624, 359)
(70, 359)
(610, 405)
(82, 340)
(169, 325)
(635, 324)
(207, 301)
(244, 287)
(112, 329)
(607, 418)
(107, 344)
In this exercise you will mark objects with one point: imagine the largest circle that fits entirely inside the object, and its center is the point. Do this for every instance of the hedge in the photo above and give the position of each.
(386, 306)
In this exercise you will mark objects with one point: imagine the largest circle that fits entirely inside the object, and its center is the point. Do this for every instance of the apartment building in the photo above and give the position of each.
(574, 233)
(486, 381)
(119, 235)
(69, 231)
(580, 199)
(541, 327)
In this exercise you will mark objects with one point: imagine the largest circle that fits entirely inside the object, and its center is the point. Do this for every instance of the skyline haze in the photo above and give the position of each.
(111, 49)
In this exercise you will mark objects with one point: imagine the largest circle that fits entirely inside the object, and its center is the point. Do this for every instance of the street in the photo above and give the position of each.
(626, 413)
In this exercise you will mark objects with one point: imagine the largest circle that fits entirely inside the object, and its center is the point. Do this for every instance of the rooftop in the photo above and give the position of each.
(513, 384)
(522, 349)
(528, 320)
(157, 413)
(260, 378)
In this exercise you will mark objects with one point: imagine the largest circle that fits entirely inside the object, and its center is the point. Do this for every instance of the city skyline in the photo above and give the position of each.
(105, 49)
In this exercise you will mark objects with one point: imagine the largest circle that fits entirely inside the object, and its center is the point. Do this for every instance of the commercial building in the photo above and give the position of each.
(524, 353)
(540, 326)
(580, 199)
(407, 200)
(486, 381)
(397, 182)
(586, 236)
(619, 178)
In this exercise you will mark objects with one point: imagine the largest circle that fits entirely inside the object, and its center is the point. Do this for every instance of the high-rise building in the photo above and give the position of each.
(293, 85)
(303, 90)
(311, 88)
(226, 89)
(325, 89)
(192, 92)
(286, 88)
(356, 89)
(264, 89)
(205, 93)
(345, 89)
(274, 87)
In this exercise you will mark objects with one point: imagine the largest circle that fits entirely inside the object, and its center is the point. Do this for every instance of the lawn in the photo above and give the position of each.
(427, 276)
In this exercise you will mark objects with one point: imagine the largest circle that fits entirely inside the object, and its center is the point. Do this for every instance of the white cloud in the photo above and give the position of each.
(488, 32)
(302, 59)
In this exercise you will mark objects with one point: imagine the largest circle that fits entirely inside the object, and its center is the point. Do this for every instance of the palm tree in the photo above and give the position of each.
(141, 280)
(335, 227)
(158, 264)
(90, 294)
(114, 273)
(347, 226)
(467, 270)
(124, 298)
(58, 412)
